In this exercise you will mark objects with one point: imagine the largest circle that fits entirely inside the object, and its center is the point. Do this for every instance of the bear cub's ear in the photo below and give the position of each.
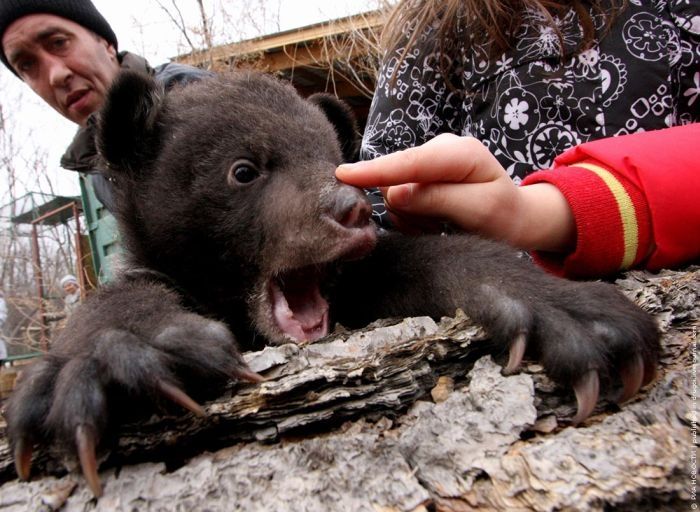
(127, 133)
(341, 117)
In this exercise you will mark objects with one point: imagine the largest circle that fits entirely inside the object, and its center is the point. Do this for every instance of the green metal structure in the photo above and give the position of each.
(102, 231)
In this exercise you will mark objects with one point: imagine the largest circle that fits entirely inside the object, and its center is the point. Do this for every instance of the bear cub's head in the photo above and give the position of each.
(227, 186)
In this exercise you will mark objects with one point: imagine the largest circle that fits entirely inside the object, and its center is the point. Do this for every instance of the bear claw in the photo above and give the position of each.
(632, 374)
(23, 458)
(180, 397)
(587, 389)
(85, 442)
(516, 353)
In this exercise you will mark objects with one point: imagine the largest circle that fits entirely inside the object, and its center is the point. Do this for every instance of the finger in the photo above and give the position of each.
(472, 207)
(413, 224)
(85, 441)
(446, 158)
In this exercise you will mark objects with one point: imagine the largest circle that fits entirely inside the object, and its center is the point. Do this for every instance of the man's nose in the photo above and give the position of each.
(57, 70)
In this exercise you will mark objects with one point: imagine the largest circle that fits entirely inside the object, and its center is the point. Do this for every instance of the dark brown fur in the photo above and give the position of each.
(227, 199)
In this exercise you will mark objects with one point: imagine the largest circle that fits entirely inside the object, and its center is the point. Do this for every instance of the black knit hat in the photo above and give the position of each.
(81, 12)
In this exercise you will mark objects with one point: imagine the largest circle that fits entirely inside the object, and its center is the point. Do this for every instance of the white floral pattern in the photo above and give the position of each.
(516, 113)
(528, 106)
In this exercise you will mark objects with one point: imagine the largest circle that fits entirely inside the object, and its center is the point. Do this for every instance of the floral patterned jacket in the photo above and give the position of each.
(529, 105)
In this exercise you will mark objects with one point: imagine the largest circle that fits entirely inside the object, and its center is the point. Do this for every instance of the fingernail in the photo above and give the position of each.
(347, 167)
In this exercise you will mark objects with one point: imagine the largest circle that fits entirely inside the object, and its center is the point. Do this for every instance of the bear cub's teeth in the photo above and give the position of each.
(298, 308)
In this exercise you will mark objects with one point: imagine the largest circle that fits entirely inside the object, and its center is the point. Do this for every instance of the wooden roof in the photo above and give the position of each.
(337, 56)
(33, 205)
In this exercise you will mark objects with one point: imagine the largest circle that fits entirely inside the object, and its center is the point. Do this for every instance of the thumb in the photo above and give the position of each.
(421, 199)
(464, 205)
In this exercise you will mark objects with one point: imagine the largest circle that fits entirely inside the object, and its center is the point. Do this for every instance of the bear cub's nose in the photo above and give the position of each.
(350, 208)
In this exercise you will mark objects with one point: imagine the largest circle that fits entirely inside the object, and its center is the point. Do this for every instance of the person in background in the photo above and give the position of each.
(568, 129)
(71, 292)
(67, 53)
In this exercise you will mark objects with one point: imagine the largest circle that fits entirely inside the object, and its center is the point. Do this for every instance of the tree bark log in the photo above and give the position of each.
(404, 416)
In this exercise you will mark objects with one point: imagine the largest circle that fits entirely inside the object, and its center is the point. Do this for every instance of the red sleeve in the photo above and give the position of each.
(635, 199)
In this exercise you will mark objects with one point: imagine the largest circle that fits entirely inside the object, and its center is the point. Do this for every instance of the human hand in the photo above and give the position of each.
(456, 179)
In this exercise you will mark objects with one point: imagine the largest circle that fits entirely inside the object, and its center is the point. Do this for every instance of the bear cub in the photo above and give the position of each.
(238, 234)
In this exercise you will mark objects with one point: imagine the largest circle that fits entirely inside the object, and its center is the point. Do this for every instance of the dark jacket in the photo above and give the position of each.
(614, 127)
(81, 153)
(528, 106)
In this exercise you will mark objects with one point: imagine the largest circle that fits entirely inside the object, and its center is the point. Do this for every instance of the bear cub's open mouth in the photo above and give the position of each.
(298, 308)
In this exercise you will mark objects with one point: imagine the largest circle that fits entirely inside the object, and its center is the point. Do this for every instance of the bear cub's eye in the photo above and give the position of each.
(242, 172)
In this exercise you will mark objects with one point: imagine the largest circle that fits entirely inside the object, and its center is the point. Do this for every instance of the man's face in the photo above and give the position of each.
(69, 66)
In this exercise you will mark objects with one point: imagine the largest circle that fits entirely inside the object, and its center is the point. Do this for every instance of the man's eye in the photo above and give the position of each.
(24, 66)
(58, 43)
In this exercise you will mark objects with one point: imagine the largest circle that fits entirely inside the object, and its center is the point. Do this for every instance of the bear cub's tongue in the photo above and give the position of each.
(297, 305)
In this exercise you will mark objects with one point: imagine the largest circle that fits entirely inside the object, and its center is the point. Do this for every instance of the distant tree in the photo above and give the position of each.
(23, 170)
(219, 21)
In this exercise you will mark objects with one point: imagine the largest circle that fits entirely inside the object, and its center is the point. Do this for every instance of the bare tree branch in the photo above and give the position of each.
(177, 18)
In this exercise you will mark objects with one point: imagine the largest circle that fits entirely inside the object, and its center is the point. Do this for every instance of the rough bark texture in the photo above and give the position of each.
(407, 416)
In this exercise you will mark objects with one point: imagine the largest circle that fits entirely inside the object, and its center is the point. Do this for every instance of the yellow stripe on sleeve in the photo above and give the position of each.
(630, 228)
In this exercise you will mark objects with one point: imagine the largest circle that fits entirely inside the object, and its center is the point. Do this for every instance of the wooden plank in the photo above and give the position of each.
(277, 42)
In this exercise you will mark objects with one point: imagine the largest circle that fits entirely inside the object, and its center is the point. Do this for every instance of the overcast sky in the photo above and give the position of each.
(141, 26)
